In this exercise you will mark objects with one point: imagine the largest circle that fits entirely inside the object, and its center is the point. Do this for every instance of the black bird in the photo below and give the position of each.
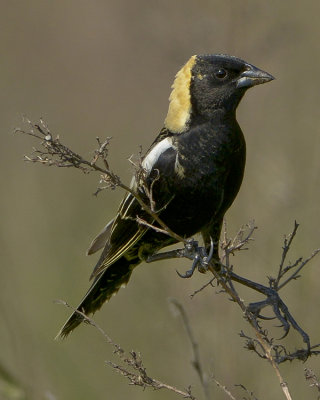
(195, 166)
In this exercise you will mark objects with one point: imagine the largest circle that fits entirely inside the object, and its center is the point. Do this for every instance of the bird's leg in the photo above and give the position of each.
(190, 272)
(192, 251)
(203, 262)
(273, 299)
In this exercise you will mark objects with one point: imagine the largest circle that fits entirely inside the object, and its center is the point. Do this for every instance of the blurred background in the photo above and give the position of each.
(104, 68)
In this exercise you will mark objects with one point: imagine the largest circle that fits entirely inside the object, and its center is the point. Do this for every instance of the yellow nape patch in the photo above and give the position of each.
(180, 103)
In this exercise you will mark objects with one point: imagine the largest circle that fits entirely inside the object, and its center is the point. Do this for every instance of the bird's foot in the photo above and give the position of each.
(193, 252)
(281, 313)
(199, 256)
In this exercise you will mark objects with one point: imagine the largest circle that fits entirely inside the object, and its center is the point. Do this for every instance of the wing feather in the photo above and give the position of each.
(123, 232)
(101, 239)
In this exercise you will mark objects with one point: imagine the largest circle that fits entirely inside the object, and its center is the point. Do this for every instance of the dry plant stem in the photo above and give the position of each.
(89, 321)
(252, 321)
(312, 379)
(196, 362)
(210, 283)
(295, 274)
(146, 381)
(155, 228)
(280, 353)
(298, 264)
(196, 356)
(239, 242)
(131, 361)
(224, 388)
(57, 154)
(287, 243)
(165, 229)
(252, 397)
(229, 247)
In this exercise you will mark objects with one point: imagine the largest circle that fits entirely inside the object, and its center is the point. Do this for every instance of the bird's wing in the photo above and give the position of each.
(124, 231)
(101, 239)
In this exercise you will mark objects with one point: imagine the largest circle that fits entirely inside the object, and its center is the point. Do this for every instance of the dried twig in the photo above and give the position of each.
(312, 379)
(210, 283)
(262, 345)
(196, 362)
(239, 242)
(251, 394)
(224, 388)
(285, 249)
(296, 266)
(53, 152)
(132, 366)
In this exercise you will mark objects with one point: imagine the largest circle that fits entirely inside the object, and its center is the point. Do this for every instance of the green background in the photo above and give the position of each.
(104, 68)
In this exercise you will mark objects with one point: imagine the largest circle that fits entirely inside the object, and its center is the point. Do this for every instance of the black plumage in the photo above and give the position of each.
(198, 159)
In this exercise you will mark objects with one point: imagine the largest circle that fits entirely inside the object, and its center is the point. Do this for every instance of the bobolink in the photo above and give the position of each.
(195, 167)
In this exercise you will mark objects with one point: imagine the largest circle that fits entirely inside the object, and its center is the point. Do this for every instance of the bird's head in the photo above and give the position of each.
(207, 83)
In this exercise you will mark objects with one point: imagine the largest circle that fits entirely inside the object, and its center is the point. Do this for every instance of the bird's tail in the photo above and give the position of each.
(103, 288)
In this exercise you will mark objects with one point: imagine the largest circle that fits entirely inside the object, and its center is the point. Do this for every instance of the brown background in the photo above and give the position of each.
(104, 68)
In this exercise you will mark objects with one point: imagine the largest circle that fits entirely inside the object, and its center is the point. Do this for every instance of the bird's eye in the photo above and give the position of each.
(220, 73)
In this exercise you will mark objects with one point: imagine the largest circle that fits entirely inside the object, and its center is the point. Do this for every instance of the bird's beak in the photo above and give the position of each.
(253, 76)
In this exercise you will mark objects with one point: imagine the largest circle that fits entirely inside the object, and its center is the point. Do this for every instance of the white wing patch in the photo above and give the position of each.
(153, 156)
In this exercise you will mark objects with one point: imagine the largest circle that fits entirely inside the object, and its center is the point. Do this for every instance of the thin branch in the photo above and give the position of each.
(196, 362)
(295, 275)
(54, 153)
(210, 283)
(260, 335)
(251, 394)
(155, 228)
(312, 379)
(297, 265)
(286, 247)
(132, 368)
(143, 380)
(240, 241)
(224, 388)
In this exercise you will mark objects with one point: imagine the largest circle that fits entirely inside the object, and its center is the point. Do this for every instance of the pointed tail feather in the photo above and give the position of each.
(103, 288)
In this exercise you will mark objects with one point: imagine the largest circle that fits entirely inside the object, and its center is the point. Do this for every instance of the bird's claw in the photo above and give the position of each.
(189, 273)
(199, 256)
(281, 313)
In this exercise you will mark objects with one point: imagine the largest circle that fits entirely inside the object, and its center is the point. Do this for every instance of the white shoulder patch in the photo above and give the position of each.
(152, 157)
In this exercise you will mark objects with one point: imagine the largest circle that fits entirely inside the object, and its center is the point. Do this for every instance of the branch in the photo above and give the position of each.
(286, 247)
(132, 366)
(312, 379)
(260, 335)
(196, 363)
(224, 388)
(297, 265)
(54, 153)
(252, 396)
(262, 345)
